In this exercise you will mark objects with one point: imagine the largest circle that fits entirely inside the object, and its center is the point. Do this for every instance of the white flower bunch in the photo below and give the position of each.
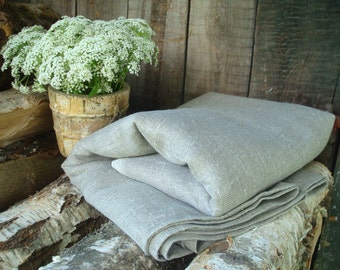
(15, 53)
(79, 56)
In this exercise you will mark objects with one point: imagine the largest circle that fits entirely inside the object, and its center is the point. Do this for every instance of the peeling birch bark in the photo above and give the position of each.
(28, 166)
(110, 248)
(44, 225)
(288, 242)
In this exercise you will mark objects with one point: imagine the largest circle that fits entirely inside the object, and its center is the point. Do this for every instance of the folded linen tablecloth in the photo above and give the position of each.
(219, 165)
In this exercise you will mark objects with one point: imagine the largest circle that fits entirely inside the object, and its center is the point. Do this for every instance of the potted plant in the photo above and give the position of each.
(83, 65)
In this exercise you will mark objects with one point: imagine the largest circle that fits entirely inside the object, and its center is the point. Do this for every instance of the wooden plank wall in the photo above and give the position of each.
(281, 50)
(297, 53)
(220, 45)
(286, 51)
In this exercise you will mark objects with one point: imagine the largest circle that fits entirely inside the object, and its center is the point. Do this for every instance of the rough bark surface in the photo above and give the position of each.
(28, 166)
(288, 242)
(109, 248)
(44, 225)
(329, 245)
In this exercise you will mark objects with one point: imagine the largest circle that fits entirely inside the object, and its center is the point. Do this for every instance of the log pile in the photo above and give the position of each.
(110, 248)
(49, 223)
(27, 166)
(57, 224)
(288, 242)
(44, 225)
(41, 227)
(29, 155)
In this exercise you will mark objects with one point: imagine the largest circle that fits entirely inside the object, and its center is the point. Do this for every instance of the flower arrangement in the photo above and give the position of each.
(79, 56)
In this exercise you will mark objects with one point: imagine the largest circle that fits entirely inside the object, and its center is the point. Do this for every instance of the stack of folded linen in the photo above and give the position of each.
(177, 180)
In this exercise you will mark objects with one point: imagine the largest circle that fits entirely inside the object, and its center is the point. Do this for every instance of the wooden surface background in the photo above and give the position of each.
(283, 50)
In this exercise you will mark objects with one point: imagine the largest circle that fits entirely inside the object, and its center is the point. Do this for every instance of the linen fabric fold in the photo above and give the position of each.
(219, 165)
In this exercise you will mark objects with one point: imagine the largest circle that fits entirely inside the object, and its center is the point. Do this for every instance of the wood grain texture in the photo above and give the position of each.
(23, 116)
(23, 177)
(296, 54)
(161, 86)
(336, 100)
(219, 47)
(63, 7)
(102, 9)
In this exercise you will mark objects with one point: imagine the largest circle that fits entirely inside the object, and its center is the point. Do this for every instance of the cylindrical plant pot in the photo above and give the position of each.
(77, 116)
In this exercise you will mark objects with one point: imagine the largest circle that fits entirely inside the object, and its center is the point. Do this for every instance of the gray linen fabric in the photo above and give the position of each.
(176, 180)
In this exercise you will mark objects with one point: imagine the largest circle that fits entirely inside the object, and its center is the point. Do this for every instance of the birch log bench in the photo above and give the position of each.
(44, 226)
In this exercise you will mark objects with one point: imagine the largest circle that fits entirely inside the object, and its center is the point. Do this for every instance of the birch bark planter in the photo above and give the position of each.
(77, 116)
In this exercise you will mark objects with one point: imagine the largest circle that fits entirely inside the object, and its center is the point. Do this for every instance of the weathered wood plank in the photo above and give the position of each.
(161, 87)
(220, 42)
(296, 55)
(102, 9)
(336, 100)
(43, 225)
(63, 7)
(14, 16)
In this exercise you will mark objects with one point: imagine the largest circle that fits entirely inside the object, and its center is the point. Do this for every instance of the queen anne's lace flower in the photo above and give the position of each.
(79, 56)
